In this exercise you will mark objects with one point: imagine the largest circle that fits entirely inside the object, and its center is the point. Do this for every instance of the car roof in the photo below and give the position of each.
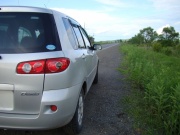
(25, 9)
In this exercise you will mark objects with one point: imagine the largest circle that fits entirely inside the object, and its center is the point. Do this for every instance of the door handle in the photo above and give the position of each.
(83, 56)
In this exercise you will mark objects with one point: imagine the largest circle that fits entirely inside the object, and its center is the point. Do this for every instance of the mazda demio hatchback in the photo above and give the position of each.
(47, 66)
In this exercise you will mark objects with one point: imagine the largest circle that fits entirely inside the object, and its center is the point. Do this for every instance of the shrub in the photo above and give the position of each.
(167, 50)
(157, 47)
(176, 50)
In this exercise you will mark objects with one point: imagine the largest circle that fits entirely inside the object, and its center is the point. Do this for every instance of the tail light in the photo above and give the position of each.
(54, 65)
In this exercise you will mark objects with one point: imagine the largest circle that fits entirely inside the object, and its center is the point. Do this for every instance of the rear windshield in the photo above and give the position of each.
(28, 33)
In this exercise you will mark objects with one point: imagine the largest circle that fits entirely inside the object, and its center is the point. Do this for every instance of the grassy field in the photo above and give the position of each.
(155, 100)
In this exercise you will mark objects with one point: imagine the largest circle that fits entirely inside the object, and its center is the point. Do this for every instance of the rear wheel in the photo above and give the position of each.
(75, 126)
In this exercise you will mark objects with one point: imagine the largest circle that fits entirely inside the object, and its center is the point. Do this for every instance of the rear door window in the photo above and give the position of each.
(79, 37)
(28, 33)
(70, 33)
(85, 37)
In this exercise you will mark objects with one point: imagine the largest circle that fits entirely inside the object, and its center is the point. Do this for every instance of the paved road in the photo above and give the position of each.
(106, 46)
(104, 113)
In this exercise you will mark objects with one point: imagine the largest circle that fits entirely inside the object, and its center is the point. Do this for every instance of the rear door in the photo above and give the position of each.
(27, 38)
(93, 59)
(86, 53)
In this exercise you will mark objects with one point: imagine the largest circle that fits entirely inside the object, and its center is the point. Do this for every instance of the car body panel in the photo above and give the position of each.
(65, 99)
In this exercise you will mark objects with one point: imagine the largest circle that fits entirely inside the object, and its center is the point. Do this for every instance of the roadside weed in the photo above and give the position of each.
(157, 76)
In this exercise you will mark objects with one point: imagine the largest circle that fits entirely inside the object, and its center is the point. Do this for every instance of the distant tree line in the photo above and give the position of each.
(166, 42)
(91, 38)
(169, 37)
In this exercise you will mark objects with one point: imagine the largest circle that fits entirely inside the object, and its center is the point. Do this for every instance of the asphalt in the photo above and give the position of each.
(104, 111)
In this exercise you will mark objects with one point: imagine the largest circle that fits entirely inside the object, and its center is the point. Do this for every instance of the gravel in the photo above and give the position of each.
(104, 112)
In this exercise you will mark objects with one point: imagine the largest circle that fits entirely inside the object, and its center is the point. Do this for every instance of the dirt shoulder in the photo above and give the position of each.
(104, 113)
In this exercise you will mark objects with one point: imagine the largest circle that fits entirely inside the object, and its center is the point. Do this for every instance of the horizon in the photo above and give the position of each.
(113, 19)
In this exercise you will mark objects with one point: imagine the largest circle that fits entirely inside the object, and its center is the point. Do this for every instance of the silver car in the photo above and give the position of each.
(47, 66)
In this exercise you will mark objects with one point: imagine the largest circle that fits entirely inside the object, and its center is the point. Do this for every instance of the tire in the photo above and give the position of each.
(96, 77)
(76, 124)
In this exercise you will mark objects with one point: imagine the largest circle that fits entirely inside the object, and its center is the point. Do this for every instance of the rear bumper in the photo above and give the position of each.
(66, 101)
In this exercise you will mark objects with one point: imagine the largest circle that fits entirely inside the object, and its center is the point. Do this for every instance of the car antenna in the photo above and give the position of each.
(46, 3)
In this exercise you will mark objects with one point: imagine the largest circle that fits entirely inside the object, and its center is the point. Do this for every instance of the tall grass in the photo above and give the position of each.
(158, 77)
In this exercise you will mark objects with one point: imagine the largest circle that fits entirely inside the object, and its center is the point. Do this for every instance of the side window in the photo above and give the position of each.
(85, 36)
(70, 33)
(78, 36)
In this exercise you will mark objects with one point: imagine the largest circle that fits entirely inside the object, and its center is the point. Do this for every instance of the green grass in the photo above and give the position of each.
(156, 100)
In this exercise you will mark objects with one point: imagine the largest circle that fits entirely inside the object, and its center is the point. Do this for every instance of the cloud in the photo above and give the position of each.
(177, 23)
(96, 22)
(171, 5)
(115, 3)
(84, 16)
(159, 30)
(104, 25)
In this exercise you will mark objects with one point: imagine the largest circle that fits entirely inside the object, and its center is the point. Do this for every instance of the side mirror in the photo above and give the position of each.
(97, 47)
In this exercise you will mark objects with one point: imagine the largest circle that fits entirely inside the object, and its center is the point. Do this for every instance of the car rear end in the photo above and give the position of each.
(34, 92)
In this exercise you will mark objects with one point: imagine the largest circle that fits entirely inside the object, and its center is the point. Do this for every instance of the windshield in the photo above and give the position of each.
(28, 33)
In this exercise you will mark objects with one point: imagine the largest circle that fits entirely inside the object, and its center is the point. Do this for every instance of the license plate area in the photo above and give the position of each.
(6, 100)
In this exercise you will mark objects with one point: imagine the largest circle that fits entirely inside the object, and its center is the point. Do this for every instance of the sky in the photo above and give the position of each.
(113, 19)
